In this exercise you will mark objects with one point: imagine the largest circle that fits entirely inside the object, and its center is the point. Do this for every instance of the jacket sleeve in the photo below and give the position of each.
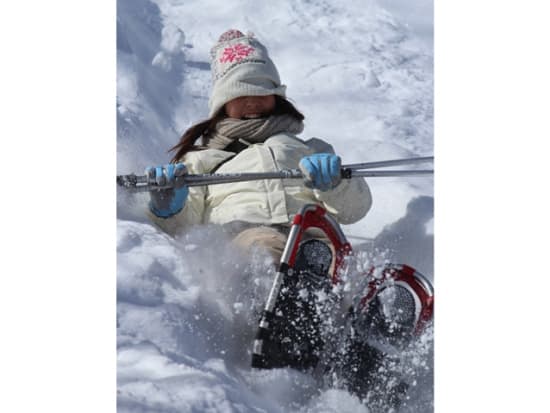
(348, 202)
(199, 162)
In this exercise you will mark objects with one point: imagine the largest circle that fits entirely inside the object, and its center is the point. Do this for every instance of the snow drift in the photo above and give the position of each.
(363, 77)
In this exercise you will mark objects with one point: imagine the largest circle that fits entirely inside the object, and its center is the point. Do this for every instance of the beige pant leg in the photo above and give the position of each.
(273, 241)
(266, 238)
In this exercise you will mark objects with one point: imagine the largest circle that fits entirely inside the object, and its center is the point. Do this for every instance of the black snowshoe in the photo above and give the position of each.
(393, 306)
(294, 339)
(290, 327)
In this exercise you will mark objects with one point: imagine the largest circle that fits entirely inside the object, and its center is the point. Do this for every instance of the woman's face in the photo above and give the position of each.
(250, 107)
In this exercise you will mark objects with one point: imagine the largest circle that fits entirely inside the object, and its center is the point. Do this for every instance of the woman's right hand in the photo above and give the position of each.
(167, 202)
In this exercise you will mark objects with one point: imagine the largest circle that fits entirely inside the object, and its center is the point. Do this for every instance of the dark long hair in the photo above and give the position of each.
(187, 142)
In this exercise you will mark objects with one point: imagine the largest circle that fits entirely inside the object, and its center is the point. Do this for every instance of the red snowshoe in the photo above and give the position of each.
(393, 308)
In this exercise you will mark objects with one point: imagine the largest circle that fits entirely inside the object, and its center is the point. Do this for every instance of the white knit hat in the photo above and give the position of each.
(241, 67)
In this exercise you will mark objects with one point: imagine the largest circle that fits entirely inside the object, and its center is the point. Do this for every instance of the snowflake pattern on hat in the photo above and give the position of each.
(235, 48)
(235, 53)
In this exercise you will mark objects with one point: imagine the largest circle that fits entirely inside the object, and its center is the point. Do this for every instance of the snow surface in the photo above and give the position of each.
(362, 73)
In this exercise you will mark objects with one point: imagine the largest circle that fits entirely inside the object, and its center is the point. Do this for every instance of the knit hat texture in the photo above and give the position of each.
(241, 67)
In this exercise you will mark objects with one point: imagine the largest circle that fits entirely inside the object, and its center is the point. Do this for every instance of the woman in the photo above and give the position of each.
(252, 128)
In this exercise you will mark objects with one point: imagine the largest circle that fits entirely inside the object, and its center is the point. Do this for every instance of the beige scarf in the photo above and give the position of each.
(252, 130)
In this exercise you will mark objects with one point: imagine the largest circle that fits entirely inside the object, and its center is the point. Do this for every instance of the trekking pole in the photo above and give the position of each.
(141, 183)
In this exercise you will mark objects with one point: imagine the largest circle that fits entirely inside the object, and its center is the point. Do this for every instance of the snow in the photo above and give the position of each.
(362, 73)
(58, 238)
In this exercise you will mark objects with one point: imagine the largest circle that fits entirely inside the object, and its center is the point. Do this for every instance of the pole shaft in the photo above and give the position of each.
(386, 174)
(393, 162)
(135, 183)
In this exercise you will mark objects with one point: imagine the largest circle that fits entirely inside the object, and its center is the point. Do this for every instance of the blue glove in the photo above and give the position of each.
(321, 171)
(167, 202)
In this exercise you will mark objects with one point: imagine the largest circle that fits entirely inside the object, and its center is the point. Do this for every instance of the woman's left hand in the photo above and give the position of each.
(321, 171)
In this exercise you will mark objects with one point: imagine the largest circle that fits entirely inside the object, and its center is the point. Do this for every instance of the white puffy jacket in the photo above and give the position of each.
(266, 202)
